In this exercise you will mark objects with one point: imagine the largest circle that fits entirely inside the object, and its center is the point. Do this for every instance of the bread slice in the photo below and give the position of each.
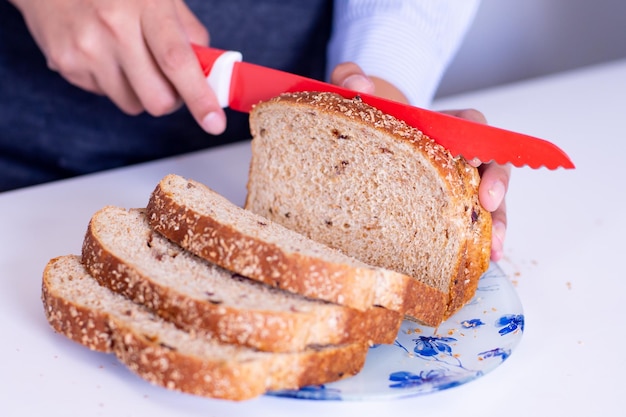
(123, 253)
(205, 223)
(79, 308)
(343, 173)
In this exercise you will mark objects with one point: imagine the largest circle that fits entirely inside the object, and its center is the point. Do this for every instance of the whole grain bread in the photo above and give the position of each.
(122, 252)
(343, 173)
(210, 226)
(156, 350)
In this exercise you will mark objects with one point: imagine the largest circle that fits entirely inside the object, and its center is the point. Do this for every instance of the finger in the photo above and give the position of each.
(493, 186)
(153, 89)
(155, 92)
(498, 232)
(349, 75)
(196, 32)
(81, 79)
(114, 84)
(468, 114)
(63, 58)
(174, 56)
(111, 80)
(475, 162)
(491, 192)
(96, 73)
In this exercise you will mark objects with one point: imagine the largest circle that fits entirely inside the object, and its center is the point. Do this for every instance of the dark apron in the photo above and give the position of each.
(50, 129)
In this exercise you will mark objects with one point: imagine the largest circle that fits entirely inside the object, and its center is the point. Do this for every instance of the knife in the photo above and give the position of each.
(240, 85)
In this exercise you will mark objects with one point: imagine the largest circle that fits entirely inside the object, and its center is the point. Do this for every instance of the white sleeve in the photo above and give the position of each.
(408, 43)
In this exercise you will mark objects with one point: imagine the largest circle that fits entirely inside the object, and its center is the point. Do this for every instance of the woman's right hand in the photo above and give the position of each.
(136, 52)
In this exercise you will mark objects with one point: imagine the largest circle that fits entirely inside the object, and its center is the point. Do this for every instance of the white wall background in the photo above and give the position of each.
(512, 40)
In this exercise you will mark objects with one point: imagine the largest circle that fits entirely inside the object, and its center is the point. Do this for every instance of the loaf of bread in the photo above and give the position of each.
(158, 351)
(353, 220)
(210, 226)
(123, 253)
(346, 175)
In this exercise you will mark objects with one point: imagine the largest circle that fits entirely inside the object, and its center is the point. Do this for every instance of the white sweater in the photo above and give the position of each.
(408, 43)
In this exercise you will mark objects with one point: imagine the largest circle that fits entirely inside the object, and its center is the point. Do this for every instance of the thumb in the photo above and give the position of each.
(351, 76)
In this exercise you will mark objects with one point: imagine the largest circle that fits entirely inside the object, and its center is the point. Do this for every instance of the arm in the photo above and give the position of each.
(136, 52)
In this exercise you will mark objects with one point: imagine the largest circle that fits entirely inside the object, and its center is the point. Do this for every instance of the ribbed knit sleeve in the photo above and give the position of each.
(408, 43)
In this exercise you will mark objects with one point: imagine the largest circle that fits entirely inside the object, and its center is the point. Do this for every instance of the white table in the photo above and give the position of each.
(563, 251)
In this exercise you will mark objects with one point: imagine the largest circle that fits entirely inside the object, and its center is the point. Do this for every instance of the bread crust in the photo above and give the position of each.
(157, 358)
(358, 287)
(474, 261)
(76, 322)
(459, 179)
(264, 329)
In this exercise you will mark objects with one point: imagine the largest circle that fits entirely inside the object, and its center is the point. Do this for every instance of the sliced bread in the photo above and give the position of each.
(208, 225)
(156, 350)
(123, 253)
(343, 173)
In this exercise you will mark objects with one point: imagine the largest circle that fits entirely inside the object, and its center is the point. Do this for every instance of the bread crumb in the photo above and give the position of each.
(416, 330)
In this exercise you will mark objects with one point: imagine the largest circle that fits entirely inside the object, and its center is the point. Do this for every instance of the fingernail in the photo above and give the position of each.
(496, 192)
(475, 162)
(358, 82)
(214, 123)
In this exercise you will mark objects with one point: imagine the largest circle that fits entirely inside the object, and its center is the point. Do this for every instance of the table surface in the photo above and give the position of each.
(564, 242)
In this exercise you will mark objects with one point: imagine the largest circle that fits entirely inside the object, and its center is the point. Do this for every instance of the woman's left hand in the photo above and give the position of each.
(494, 181)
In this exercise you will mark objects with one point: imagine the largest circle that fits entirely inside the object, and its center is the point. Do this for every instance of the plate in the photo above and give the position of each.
(474, 341)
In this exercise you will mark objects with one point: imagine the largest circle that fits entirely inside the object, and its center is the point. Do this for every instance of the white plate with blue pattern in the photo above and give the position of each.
(476, 340)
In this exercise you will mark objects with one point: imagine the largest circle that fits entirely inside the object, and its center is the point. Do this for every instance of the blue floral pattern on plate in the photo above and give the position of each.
(476, 340)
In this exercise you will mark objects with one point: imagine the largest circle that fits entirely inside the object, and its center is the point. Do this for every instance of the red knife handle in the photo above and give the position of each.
(217, 65)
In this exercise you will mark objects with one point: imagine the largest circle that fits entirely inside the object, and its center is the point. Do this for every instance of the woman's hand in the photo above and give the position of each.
(494, 181)
(137, 53)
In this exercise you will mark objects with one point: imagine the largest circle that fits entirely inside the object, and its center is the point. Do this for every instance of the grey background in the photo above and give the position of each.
(512, 40)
